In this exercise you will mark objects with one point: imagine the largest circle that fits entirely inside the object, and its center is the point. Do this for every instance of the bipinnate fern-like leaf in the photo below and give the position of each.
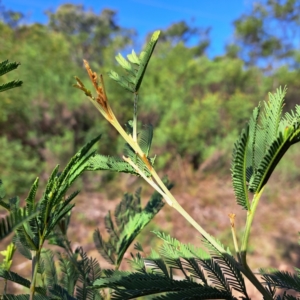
(17, 217)
(14, 277)
(69, 272)
(49, 273)
(137, 263)
(107, 249)
(77, 273)
(204, 276)
(271, 116)
(157, 265)
(145, 139)
(6, 67)
(274, 136)
(116, 164)
(133, 285)
(269, 162)
(262, 145)
(137, 223)
(282, 279)
(221, 267)
(10, 85)
(135, 66)
(30, 200)
(89, 271)
(13, 221)
(54, 205)
(58, 292)
(26, 297)
(40, 219)
(198, 293)
(228, 267)
(108, 163)
(239, 169)
(22, 247)
(129, 220)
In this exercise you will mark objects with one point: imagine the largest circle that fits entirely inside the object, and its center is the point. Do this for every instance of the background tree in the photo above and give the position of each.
(89, 33)
(191, 36)
(269, 34)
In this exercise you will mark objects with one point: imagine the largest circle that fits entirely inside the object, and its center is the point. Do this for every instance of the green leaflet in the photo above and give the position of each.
(129, 220)
(282, 279)
(49, 272)
(7, 256)
(272, 139)
(13, 221)
(116, 164)
(239, 169)
(183, 250)
(30, 205)
(145, 139)
(258, 152)
(53, 207)
(14, 277)
(154, 275)
(25, 297)
(6, 67)
(135, 66)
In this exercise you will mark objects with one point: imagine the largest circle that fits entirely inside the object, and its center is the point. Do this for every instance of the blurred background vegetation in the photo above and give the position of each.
(196, 104)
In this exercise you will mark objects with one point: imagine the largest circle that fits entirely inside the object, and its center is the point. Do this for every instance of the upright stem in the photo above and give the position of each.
(134, 121)
(245, 268)
(250, 217)
(163, 190)
(35, 264)
(234, 237)
(5, 287)
(253, 279)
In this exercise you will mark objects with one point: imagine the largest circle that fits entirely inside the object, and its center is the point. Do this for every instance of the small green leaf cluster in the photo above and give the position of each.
(135, 66)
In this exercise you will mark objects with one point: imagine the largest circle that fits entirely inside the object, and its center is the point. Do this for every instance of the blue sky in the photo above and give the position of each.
(147, 15)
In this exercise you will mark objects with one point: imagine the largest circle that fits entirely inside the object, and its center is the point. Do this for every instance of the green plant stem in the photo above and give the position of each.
(245, 268)
(5, 287)
(250, 217)
(234, 236)
(174, 203)
(35, 264)
(147, 179)
(163, 190)
(253, 279)
(134, 122)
